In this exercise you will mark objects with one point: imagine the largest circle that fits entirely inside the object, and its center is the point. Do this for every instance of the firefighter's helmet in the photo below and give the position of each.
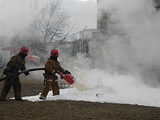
(24, 50)
(54, 52)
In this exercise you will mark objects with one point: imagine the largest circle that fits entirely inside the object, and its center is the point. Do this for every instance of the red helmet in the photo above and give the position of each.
(24, 50)
(54, 52)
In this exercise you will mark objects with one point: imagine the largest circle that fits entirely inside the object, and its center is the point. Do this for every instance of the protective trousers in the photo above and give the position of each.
(15, 83)
(48, 84)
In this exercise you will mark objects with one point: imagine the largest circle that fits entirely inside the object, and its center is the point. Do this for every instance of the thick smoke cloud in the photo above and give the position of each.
(134, 38)
(14, 15)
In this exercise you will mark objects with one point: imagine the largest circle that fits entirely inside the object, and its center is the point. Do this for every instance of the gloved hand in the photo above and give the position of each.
(5, 71)
(67, 72)
(26, 73)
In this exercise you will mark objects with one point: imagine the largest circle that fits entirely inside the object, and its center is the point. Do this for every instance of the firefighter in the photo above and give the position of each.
(16, 63)
(50, 78)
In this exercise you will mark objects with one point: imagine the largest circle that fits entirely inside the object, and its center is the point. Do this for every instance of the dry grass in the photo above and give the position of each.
(72, 110)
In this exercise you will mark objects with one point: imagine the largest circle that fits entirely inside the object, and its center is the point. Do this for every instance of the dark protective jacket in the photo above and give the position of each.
(50, 66)
(50, 79)
(16, 63)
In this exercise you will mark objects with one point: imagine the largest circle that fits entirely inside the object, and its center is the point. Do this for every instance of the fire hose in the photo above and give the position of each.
(18, 73)
(69, 78)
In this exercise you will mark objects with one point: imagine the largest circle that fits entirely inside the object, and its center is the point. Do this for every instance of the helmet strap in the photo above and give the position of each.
(53, 58)
(22, 55)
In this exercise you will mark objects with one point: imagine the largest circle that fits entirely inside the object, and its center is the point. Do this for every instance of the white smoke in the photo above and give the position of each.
(133, 45)
(14, 15)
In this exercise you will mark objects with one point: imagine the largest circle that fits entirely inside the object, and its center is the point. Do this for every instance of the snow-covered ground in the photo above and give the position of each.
(100, 86)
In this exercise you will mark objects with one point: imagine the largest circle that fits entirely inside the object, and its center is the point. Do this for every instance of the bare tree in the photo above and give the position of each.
(50, 25)
(53, 22)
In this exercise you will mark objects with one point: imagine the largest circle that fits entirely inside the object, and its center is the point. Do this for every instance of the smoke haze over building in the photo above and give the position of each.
(133, 43)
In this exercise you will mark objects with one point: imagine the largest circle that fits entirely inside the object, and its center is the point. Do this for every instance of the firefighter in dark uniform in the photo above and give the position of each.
(16, 63)
(51, 66)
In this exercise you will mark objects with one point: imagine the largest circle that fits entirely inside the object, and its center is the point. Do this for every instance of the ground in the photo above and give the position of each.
(69, 110)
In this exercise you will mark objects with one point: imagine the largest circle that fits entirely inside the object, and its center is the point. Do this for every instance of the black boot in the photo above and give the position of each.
(19, 99)
(42, 97)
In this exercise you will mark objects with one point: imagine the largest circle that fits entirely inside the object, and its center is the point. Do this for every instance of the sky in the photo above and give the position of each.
(17, 14)
(84, 11)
